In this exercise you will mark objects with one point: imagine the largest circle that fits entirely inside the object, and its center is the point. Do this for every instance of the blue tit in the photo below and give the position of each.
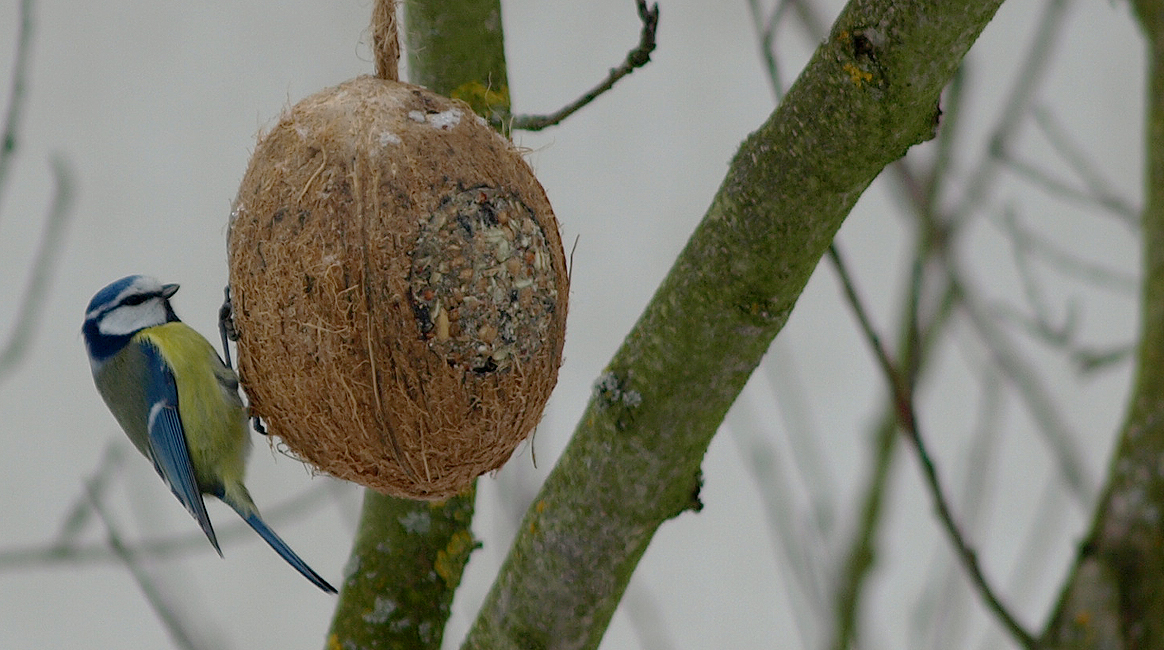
(177, 401)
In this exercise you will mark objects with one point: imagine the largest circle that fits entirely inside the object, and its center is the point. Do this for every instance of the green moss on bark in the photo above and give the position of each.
(868, 94)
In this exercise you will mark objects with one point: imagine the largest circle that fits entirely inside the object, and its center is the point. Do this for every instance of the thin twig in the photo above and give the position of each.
(766, 35)
(941, 168)
(1065, 261)
(907, 419)
(1055, 430)
(803, 435)
(56, 554)
(1091, 360)
(1042, 319)
(1034, 69)
(166, 614)
(1033, 563)
(33, 301)
(18, 93)
(918, 339)
(74, 522)
(941, 611)
(1080, 163)
(796, 536)
(1061, 189)
(636, 58)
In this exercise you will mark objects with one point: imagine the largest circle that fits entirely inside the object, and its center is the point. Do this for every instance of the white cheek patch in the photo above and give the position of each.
(128, 319)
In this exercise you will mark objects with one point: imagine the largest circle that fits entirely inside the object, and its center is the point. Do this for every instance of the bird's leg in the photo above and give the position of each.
(229, 333)
(226, 325)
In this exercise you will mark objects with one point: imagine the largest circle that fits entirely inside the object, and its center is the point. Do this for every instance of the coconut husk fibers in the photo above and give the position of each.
(399, 287)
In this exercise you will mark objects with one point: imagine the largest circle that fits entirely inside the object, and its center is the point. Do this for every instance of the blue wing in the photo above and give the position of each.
(167, 439)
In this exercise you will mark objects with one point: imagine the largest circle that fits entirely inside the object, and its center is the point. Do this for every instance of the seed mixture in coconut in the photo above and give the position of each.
(482, 287)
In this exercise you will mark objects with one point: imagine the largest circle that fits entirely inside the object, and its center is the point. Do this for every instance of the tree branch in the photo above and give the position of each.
(32, 303)
(868, 94)
(408, 558)
(636, 58)
(456, 48)
(907, 419)
(1113, 597)
(17, 93)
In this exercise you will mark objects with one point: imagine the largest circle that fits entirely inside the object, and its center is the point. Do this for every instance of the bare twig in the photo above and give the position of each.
(918, 339)
(1091, 360)
(636, 58)
(166, 614)
(766, 35)
(55, 553)
(17, 94)
(1041, 178)
(1033, 563)
(942, 611)
(809, 464)
(1036, 62)
(1055, 430)
(1100, 189)
(74, 522)
(1041, 317)
(796, 535)
(1068, 263)
(44, 263)
(907, 419)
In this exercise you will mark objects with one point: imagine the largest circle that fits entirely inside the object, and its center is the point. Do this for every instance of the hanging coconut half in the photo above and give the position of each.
(399, 288)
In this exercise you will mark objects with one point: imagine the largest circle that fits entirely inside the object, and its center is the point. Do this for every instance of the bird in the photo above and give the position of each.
(177, 401)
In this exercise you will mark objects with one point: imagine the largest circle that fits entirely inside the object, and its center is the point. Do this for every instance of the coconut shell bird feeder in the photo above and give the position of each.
(398, 282)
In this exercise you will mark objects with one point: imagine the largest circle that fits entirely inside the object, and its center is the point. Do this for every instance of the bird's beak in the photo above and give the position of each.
(169, 290)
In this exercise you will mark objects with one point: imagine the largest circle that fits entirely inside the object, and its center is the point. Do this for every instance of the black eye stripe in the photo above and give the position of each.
(136, 299)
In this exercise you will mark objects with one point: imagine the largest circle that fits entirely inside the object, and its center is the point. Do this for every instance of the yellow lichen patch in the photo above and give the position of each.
(483, 99)
(857, 75)
(451, 558)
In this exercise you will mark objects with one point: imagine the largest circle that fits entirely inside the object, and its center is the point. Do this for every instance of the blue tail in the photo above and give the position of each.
(282, 549)
(251, 516)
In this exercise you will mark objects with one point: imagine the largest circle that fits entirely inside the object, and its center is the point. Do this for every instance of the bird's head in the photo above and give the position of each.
(122, 309)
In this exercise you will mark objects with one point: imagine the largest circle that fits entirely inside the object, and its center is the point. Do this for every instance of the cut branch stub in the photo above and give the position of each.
(399, 287)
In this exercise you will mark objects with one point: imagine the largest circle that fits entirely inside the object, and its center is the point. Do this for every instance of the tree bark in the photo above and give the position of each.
(1114, 597)
(869, 93)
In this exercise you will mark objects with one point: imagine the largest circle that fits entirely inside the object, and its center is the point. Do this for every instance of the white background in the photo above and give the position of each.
(156, 106)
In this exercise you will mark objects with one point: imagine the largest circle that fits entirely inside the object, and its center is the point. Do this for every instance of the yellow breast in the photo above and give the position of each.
(209, 405)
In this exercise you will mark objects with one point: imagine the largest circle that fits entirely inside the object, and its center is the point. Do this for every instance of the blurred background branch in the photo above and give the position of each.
(46, 260)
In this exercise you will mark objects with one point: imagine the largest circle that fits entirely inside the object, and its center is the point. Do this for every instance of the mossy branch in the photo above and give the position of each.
(869, 93)
(406, 564)
(1113, 597)
(456, 48)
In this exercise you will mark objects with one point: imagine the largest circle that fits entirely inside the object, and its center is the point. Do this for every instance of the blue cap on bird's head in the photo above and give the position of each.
(131, 285)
